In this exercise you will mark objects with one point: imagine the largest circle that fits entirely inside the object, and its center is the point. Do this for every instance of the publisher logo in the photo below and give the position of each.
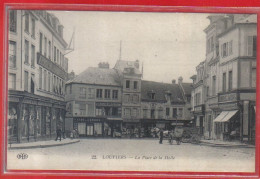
(22, 156)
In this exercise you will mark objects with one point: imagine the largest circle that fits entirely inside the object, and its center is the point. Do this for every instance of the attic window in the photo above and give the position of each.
(151, 94)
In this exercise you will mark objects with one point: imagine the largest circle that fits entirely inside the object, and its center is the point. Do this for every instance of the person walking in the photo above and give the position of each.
(58, 131)
(161, 136)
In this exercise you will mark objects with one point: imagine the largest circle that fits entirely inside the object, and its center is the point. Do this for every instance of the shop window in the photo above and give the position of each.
(98, 128)
(48, 121)
(24, 121)
(115, 94)
(38, 121)
(107, 93)
(127, 84)
(13, 20)
(11, 81)
(99, 93)
(12, 120)
(12, 54)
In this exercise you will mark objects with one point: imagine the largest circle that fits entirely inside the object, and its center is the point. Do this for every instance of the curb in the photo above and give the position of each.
(224, 145)
(43, 146)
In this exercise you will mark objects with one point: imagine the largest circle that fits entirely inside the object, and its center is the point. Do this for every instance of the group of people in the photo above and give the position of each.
(177, 134)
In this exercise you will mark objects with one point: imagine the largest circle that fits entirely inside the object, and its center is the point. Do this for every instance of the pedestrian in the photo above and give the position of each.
(161, 136)
(58, 131)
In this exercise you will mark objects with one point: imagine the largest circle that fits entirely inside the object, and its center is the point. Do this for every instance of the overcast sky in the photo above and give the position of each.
(168, 44)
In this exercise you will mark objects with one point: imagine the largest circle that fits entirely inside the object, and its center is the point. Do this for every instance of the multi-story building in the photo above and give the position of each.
(230, 77)
(163, 105)
(37, 71)
(94, 102)
(101, 100)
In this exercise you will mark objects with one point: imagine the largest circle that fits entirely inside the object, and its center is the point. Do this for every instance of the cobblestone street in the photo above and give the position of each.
(135, 154)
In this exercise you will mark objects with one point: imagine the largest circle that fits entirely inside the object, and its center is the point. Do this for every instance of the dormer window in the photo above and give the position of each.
(151, 94)
(168, 95)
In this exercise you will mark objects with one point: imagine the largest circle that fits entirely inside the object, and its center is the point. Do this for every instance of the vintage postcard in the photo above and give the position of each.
(131, 91)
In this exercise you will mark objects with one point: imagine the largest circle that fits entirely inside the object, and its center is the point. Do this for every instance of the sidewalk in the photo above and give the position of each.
(219, 143)
(42, 144)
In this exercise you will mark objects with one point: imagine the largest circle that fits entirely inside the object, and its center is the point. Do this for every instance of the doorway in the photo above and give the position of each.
(82, 128)
(90, 129)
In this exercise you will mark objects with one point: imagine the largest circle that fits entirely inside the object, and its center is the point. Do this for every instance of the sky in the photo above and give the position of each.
(169, 45)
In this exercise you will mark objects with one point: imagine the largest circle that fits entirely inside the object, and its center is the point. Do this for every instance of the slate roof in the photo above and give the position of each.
(250, 19)
(187, 88)
(100, 76)
(160, 90)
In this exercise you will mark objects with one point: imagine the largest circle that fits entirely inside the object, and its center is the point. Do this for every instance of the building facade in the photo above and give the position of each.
(102, 101)
(37, 72)
(230, 77)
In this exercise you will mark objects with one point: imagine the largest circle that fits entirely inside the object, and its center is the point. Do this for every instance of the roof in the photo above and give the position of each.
(250, 19)
(160, 90)
(187, 87)
(100, 76)
(122, 65)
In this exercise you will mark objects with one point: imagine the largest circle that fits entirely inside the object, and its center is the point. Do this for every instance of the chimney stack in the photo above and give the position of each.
(173, 81)
(180, 80)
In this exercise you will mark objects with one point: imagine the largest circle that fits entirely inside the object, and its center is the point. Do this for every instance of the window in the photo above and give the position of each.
(134, 112)
(213, 85)
(26, 26)
(26, 81)
(160, 113)
(115, 94)
(145, 113)
(26, 51)
(54, 55)
(167, 111)
(126, 98)
(251, 46)
(40, 78)
(58, 56)
(210, 45)
(45, 46)
(32, 55)
(224, 50)
(82, 109)
(230, 48)
(70, 89)
(49, 81)
(180, 112)
(40, 43)
(33, 27)
(99, 111)
(152, 95)
(11, 81)
(153, 113)
(12, 20)
(135, 98)
(115, 111)
(107, 93)
(224, 82)
(230, 80)
(127, 84)
(45, 80)
(253, 82)
(127, 112)
(12, 54)
(135, 85)
(207, 90)
(82, 92)
(99, 93)
(174, 112)
(49, 55)
(91, 93)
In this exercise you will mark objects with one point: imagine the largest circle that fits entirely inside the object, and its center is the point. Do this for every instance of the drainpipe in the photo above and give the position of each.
(21, 47)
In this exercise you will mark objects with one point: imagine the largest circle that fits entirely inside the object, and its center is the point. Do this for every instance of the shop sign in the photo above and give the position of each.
(29, 101)
(228, 105)
(13, 99)
(49, 65)
(227, 97)
(88, 120)
(199, 108)
(44, 104)
(108, 104)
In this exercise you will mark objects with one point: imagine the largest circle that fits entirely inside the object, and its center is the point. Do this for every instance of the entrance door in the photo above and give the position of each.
(82, 128)
(90, 130)
(210, 126)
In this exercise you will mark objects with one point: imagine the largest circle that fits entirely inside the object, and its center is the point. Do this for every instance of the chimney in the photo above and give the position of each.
(137, 64)
(103, 65)
(173, 81)
(180, 80)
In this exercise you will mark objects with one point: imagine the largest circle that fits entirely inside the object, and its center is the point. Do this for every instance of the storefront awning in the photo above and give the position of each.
(225, 116)
(221, 116)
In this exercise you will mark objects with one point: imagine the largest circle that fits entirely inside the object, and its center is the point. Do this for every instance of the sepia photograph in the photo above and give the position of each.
(131, 91)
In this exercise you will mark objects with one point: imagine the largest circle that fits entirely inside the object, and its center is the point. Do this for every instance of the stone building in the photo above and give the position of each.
(37, 72)
(230, 77)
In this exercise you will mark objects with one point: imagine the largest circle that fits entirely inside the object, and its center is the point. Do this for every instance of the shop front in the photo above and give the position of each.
(32, 117)
(89, 126)
(199, 112)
